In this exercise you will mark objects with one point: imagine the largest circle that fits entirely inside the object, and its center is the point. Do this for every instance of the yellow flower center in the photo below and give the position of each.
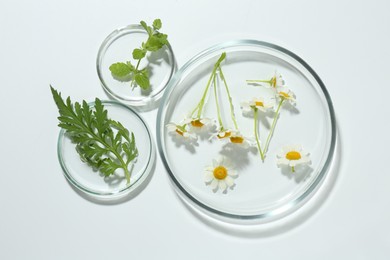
(293, 155)
(179, 132)
(284, 94)
(236, 139)
(196, 123)
(224, 134)
(220, 172)
(273, 82)
(259, 104)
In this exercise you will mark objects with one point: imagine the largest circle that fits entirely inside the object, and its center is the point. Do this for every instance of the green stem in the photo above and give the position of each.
(201, 102)
(230, 98)
(217, 105)
(273, 126)
(258, 80)
(136, 67)
(256, 129)
(113, 151)
(200, 105)
(127, 174)
(133, 76)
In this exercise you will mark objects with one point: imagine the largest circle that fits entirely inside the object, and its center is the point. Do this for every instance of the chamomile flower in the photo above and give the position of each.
(277, 80)
(180, 131)
(239, 140)
(222, 134)
(258, 103)
(220, 175)
(286, 94)
(293, 156)
(198, 125)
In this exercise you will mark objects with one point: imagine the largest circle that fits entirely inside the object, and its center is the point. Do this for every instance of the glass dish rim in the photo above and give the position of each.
(285, 208)
(122, 192)
(131, 102)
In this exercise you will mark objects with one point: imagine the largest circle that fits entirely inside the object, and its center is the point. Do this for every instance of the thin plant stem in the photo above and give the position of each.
(230, 98)
(216, 104)
(258, 80)
(133, 77)
(271, 132)
(201, 102)
(256, 130)
(136, 66)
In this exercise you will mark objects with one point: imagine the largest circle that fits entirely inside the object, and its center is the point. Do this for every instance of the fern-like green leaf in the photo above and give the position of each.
(103, 143)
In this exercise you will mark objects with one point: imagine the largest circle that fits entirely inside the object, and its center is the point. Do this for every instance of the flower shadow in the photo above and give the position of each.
(238, 155)
(189, 145)
(301, 173)
(290, 107)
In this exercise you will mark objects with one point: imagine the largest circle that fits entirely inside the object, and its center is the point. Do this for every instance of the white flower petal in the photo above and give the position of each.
(222, 185)
(282, 161)
(208, 176)
(232, 173)
(171, 127)
(214, 184)
(293, 163)
(229, 181)
(209, 168)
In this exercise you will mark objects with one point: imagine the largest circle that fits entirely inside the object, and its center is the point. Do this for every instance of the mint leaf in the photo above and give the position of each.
(142, 79)
(157, 24)
(102, 143)
(139, 54)
(147, 28)
(120, 69)
(156, 42)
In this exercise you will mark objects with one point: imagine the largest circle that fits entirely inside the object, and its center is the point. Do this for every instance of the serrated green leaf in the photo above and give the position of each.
(142, 80)
(157, 24)
(98, 142)
(120, 69)
(139, 54)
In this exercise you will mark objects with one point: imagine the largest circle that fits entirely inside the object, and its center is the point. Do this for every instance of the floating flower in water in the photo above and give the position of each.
(258, 103)
(180, 131)
(220, 175)
(275, 82)
(287, 94)
(292, 156)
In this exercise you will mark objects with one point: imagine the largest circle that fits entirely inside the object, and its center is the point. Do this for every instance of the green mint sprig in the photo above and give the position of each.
(106, 145)
(155, 41)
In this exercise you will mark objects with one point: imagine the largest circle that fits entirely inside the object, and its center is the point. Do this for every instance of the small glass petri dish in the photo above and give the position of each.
(118, 47)
(95, 184)
(263, 192)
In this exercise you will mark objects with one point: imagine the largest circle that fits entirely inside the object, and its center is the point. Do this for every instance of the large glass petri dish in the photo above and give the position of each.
(263, 192)
(95, 184)
(118, 47)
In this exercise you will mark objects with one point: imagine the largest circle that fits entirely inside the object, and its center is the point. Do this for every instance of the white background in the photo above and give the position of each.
(56, 42)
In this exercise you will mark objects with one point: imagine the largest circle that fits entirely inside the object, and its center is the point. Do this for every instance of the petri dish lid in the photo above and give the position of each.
(263, 192)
